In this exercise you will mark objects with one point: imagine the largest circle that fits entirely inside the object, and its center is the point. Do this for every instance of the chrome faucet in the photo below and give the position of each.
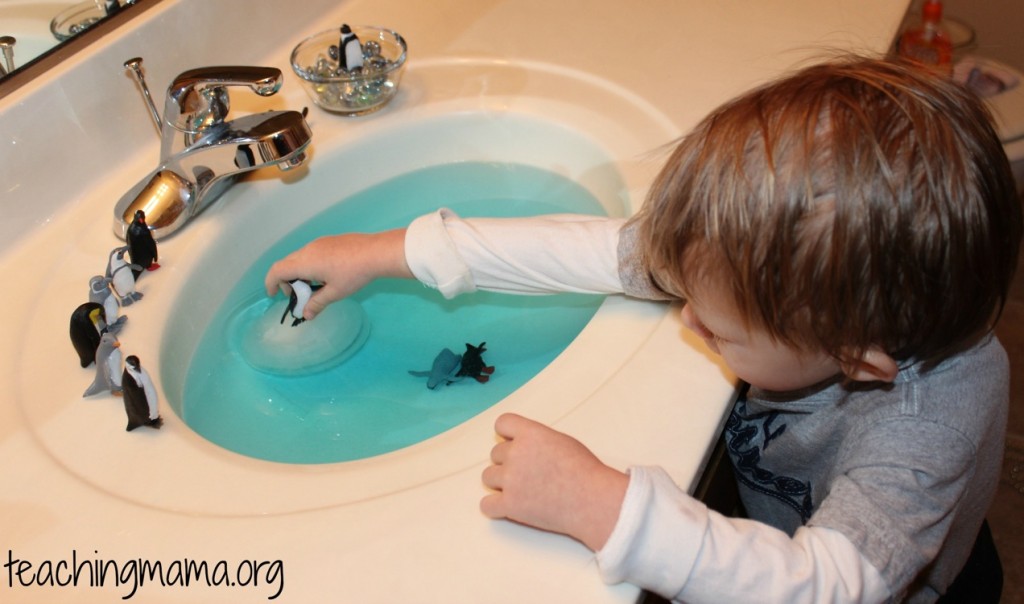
(202, 154)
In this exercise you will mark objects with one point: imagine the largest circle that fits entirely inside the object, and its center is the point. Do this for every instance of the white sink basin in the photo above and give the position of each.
(603, 143)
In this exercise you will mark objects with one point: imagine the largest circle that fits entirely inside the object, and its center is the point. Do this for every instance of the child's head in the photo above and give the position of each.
(855, 204)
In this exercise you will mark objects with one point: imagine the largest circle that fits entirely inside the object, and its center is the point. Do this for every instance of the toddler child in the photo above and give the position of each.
(844, 238)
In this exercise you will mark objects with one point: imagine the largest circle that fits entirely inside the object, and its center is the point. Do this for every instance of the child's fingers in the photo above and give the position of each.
(492, 506)
(277, 278)
(509, 425)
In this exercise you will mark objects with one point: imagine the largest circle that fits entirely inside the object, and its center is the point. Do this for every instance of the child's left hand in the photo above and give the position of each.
(550, 481)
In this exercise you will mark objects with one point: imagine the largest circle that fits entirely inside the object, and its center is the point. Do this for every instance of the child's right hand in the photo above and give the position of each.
(549, 480)
(344, 264)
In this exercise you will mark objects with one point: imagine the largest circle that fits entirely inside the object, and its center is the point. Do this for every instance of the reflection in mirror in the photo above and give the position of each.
(36, 34)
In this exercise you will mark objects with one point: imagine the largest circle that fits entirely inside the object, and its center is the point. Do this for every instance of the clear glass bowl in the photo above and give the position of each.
(75, 19)
(355, 92)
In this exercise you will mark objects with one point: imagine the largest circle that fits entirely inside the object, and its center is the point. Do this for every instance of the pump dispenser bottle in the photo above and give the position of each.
(928, 43)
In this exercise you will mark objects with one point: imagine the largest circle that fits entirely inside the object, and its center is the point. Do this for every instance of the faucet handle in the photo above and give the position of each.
(198, 98)
(7, 48)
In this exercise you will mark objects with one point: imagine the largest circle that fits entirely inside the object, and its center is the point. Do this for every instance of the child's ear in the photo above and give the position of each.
(874, 366)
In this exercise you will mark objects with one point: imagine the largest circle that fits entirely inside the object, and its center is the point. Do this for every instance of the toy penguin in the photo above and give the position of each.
(140, 401)
(122, 277)
(302, 291)
(86, 325)
(111, 7)
(99, 292)
(141, 245)
(350, 52)
(108, 366)
(473, 363)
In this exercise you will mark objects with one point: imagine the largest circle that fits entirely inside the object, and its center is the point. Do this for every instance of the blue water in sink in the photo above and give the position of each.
(369, 404)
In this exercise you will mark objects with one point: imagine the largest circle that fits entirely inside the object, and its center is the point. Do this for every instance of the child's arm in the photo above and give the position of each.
(536, 255)
(649, 532)
(343, 263)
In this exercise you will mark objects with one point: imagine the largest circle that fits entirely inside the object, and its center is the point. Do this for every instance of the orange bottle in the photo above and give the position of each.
(928, 43)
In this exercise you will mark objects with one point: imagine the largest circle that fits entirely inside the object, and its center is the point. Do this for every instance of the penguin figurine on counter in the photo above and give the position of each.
(108, 366)
(99, 292)
(122, 277)
(141, 245)
(350, 51)
(140, 401)
(302, 291)
(86, 326)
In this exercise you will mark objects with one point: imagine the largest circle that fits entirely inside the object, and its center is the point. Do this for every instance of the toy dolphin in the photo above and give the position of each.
(444, 370)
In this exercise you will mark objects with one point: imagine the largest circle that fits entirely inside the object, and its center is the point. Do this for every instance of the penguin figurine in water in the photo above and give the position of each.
(99, 292)
(108, 366)
(122, 277)
(473, 363)
(140, 401)
(302, 291)
(86, 325)
(350, 51)
(141, 245)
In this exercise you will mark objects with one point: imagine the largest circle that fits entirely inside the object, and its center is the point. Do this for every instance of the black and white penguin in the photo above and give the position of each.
(141, 245)
(140, 401)
(86, 325)
(302, 291)
(350, 51)
(121, 277)
(108, 366)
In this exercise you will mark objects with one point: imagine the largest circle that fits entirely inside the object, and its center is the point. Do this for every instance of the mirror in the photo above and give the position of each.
(37, 34)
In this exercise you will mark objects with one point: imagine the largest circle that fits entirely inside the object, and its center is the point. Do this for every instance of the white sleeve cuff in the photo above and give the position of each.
(658, 536)
(433, 258)
(545, 254)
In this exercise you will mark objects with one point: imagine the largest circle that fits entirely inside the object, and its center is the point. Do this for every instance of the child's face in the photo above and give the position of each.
(750, 352)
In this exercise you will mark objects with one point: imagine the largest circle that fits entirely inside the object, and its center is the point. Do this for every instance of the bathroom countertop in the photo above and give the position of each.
(78, 490)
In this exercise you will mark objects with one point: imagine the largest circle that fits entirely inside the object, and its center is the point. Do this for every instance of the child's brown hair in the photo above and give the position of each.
(860, 202)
